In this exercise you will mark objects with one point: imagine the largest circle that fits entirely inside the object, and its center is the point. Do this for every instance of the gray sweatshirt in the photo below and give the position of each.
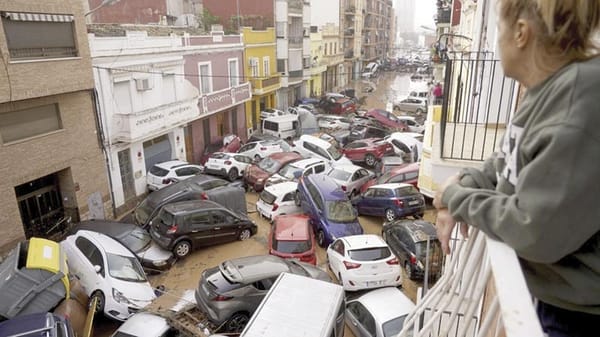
(538, 193)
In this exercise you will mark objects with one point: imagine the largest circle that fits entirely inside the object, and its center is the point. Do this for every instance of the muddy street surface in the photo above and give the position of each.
(185, 274)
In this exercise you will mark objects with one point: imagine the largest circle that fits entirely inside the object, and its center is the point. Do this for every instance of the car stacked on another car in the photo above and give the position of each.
(393, 201)
(366, 131)
(292, 237)
(163, 174)
(331, 213)
(230, 292)
(311, 146)
(363, 262)
(277, 199)
(256, 175)
(350, 178)
(369, 150)
(187, 225)
(227, 143)
(296, 169)
(229, 165)
(409, 240)
(261, 149)
(402, 173)
(269, 112)
(407, 143)
(333, 122)
(388, 119)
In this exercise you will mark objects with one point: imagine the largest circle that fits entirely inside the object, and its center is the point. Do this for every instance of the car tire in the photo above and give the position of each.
(321, 238)
(390, 215)
(370, 160)
(100, 301)
(408, 270)
(182, 249)
(233, 174)
(257, 158)
(245, 234)
(297, 201)
(419, 111)
(237, 322)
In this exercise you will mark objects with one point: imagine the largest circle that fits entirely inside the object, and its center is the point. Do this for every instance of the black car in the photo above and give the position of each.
(187, 225)
(199, 187)
(408, 240)
(366, 131)
(152, 257)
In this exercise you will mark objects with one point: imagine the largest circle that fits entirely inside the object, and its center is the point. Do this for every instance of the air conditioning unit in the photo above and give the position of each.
(143, 84)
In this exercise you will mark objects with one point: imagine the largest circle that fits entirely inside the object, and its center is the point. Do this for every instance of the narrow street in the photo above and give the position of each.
(185, 274)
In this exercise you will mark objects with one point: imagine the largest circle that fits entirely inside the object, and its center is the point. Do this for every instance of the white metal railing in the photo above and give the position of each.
(481, 293)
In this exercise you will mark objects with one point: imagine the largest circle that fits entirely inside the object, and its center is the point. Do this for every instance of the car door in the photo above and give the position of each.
(225, 227)
(355, 151)
(186, 172)
(383, 201)
(365, 204)
(361, 321)
(335, 254)
(241, 162)
(287, 204)
(199, 227)
(90, 257)
(248, 149)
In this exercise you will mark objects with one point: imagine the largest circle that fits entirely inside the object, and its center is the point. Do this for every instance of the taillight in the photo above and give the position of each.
(399, 203)
(204, 196)
(263, 149)
(228, 162)
(393, 261)
(275, 207)
(351, 265)
(221, 298)
(413, 259)
(307, 258)
(343, 188)
(172, 229)
(166, 181)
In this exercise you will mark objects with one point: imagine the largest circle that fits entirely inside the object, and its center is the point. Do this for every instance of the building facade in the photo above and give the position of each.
(377, 30)
(318, 67)
(53, 162)
(144, 102)
(259, 63)
(333, 55)
(155, 12)
(351, 23)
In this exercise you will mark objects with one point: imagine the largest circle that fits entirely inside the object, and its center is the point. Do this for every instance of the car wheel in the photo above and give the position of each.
(297, 198)
(182, 249)
(390, 215)
(244, 234)
(237, 322)
(321, 238)
(419, 111)
(99, 296)
(233, 174)
(257, 158)
(408, 270)
(370, 160)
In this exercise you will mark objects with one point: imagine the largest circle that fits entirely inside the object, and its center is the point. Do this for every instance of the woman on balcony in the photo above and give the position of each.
(538, 193)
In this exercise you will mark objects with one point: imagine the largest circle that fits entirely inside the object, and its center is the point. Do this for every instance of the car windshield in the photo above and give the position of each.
(159, 172)
(137, 240)
(143, 211)
(435, 248)
(269, 165)
(339, 174)
(340, 211)
(406, 190)
(334, 152)
(393, 326)
(125, 268)
(291, 247)
(288, 171)
(384, 178)
(267, 197)
(369, 254)
(214, 147)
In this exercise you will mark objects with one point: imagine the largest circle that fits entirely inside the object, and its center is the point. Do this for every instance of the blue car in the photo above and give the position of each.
(392, 201)
(331, 213)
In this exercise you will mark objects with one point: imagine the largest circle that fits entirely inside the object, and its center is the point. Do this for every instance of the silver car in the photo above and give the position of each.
(230, 293)
(350, 178)
(412, 104)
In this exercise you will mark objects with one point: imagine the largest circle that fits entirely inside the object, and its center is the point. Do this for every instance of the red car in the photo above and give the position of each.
(256, 175)
(227, 143)
(292, 237)
(388, 119)
(408, 174)
(339, 105)
(369, 150)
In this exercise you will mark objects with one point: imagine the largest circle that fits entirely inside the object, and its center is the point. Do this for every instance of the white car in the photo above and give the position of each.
(108, 271)
(261, 149)
(412, 104)
(413, 125)
(266, 113)
(333, 122)
(230, 165)
(401, 141)
(145, 324)
(278, 199)
(350, 178)
(168, 172)
(363, 262)
(294, 170)
(313, 147)
(372, 312)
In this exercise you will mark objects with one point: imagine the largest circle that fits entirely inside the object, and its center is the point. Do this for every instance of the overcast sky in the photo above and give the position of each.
(425, 11)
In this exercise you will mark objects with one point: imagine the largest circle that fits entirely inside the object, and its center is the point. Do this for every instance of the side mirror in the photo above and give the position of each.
(97, 268)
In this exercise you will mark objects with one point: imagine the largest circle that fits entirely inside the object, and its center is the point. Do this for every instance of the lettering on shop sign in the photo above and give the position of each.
(161, 115)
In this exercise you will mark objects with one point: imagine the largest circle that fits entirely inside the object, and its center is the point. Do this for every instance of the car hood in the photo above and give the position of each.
(340, 229)
(343, 160)
(257, 173)
(154, 253)
(139, 294)
(314, 272)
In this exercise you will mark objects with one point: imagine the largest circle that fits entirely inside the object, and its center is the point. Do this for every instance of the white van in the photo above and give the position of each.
(299, 306)
(286, 126)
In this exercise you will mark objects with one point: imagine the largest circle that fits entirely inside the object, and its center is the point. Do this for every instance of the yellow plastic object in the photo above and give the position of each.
(46, 255)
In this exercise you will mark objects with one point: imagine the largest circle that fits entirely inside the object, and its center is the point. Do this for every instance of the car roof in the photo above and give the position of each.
(185, 206)
(363, 241)
(420, 229)
(108, 244)
(329, 189)
(292, 227)
(284, 156)
(183, 185)
(392, 160)
(282, 118)
(406, 168)
(250, 269)
(315, 140)
(282, 187)
(391, 186)
(110, 228)
(145, 324)
(351, 168)
(167, 165)
(378, 302)
(303, 163)
(407, 118)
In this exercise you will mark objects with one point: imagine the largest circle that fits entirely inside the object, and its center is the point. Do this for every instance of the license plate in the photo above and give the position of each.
(374, 283)
(414, 202)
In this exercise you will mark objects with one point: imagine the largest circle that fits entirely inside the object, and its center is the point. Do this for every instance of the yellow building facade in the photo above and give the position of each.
(260, 65)
(314, 86)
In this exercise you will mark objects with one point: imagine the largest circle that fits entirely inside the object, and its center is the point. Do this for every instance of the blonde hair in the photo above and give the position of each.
(567, 27)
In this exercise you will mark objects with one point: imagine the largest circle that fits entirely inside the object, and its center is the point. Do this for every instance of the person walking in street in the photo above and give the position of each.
(537, 193)
(438, 93)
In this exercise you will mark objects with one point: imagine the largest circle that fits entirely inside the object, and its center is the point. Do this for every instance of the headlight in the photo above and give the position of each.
(118, 296)
(159, 263)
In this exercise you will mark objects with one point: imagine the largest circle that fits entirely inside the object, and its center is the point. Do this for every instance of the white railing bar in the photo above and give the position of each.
(517, 311)
(477, 293)
(490, 317)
